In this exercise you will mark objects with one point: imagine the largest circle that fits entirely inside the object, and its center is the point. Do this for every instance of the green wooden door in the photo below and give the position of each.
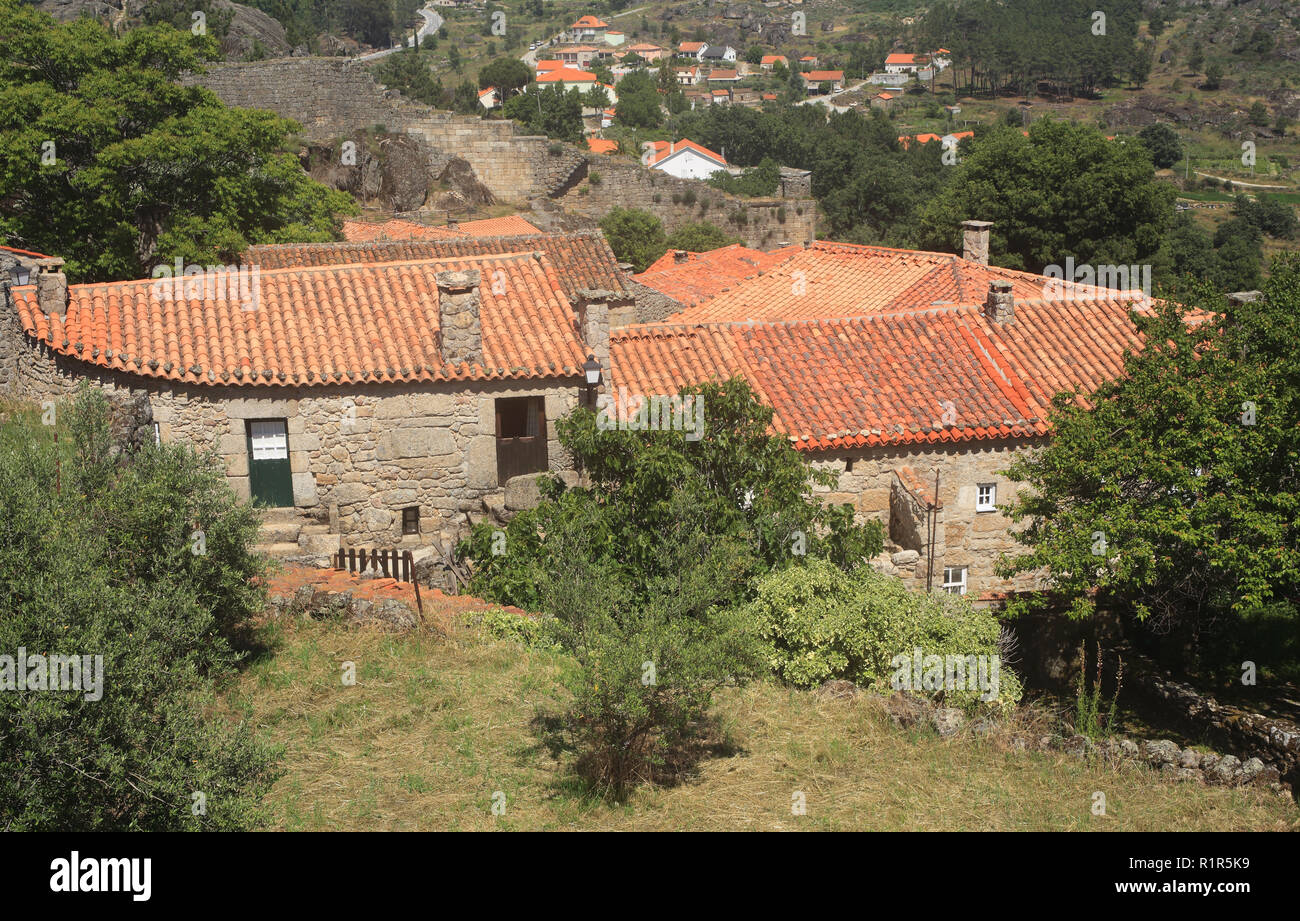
(269, 478)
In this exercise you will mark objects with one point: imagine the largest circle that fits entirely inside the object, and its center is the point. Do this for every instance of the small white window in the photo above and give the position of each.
(954, 580)
(157, 434)
(986, 497)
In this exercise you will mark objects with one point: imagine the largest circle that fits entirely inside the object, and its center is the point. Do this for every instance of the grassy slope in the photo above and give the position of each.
(436, 724)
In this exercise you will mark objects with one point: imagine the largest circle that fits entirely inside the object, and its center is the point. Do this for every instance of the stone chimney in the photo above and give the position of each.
(680, 255)
(51, 286)
(458, 316)
(1000, 307)
(975, 241)
(593, 323)
(452, 223)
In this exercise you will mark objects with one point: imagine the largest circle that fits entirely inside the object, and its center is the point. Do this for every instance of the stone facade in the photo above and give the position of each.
(359, 454)
(870, 480)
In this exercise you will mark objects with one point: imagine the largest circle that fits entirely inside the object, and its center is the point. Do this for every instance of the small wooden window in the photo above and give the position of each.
(521, 437)
(411, 520)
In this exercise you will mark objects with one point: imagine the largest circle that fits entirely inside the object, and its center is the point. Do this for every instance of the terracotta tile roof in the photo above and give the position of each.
(312, 326)
(690, 47)
(907, 139)
(589, 22)
(901, 59)
(665, 149)
(942, 374)
(723, 75)
(581, 260)
(395, 229)
(567, 75)
(401, 229)
(549, 65)
(829, 280)
(696, 276)
(773, 58)
(24, 252)
(602, 146)
(824, 76)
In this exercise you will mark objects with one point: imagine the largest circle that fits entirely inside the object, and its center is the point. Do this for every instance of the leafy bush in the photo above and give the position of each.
(817, 623)
(97, 558)
(533, 632)
(649, 563)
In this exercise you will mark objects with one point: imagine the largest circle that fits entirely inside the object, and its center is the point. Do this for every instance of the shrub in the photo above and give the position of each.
(817, 623)
(97, 558)
(533, 632)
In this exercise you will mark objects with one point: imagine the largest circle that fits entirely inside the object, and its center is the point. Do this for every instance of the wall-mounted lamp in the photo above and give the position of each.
(592, 370)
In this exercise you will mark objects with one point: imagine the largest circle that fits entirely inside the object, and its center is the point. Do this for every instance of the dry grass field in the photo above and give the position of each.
(439, 722)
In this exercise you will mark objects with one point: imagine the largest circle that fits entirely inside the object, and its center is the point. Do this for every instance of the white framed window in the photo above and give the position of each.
(954, 580)
(986, 497)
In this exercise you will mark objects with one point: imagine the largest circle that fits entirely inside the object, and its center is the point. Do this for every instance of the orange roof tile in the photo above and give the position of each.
(589, 22)
(581, 259)
(907, 139)
(692, 277)
(602, 146)
(824, 76)
(901, 59)
(375, 323)
(846, 280)
(549, 65)
(665, 149)
(566, 75)
(942, 374)
(402, 229)
(723, 75)
(773, 58)
(24, 252)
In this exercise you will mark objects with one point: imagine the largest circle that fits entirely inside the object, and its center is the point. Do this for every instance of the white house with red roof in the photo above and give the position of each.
(685, 159)
(588, 29)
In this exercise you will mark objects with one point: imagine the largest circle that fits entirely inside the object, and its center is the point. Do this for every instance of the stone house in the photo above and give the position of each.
(914, 377)
(371, 404)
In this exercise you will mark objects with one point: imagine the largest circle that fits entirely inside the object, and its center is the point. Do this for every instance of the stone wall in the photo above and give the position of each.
(763, 223)
(359, 454)
(965, 537)
(333, 98)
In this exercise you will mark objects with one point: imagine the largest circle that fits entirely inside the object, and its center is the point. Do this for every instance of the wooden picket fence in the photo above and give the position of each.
(394, 564)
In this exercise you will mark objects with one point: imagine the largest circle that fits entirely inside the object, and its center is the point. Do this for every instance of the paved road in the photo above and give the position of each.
(432, 23)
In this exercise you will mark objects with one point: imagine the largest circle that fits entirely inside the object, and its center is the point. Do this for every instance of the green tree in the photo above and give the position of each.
(141, 169)
(1258, 114)
(508, 75)
(699, 238)
(550, 111)
(1213, 76)
(635, 236)
(645, 567)
(163, 585)
(1118, 212)
(1163, 144)
(638, 101)
(1172, 497)
(754, 54)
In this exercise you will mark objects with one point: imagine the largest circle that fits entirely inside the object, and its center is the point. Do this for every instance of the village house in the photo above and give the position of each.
(489, 98)
(915, 378)
(724, 76)
(375, 394)
(685, 159)
(588, 29)
(814, 79)
(689, 76)
(646, 51)
(718, 54)
(770, 61)
(882, 101)
(691, 49)
(615, 38)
